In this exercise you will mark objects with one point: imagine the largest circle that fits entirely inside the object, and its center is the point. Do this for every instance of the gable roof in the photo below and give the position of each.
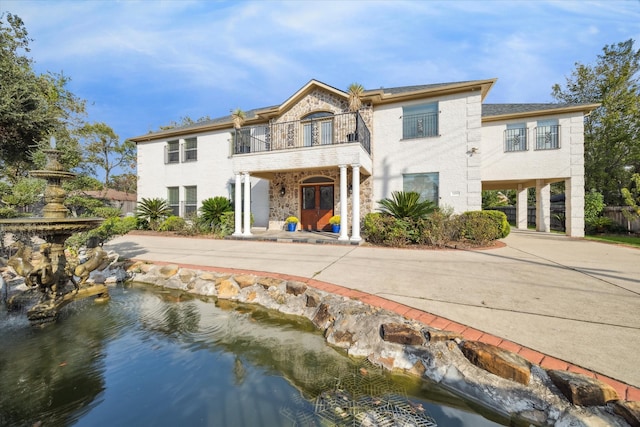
(373, 96)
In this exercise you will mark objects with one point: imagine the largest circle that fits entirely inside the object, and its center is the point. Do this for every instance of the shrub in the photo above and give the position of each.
(501, 220)
(153, 211)
(110, 228)
(406, 204)
(593, 205)
(227, 224)
(479, 228)
(601, 224)
(388, 231)
(106, 212)
(8, 213)
(173, 223)
(212, 210)
(439, 229)
(334, 220)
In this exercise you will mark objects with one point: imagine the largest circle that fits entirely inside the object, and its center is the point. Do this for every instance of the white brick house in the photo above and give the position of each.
(312, 158)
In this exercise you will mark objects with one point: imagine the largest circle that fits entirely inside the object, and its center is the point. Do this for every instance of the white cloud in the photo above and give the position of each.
(212, 56)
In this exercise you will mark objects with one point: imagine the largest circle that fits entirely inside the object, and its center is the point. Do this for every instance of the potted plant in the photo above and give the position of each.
(292, 223)
(335, 223)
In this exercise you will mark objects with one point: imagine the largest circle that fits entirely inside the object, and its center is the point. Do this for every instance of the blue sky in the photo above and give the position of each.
(142, 64)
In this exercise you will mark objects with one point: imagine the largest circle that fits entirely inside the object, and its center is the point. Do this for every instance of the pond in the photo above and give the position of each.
(152, 357)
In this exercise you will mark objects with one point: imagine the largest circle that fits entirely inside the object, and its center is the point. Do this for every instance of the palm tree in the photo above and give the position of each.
(153, 211)
(238, 116)
(406, 204)
(355, 93)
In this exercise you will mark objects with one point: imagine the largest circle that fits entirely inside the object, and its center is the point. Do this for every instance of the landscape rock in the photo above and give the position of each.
(582, 390)
(322, 318)
(628, 410)
(227, 289)
(186, 275)
(296, 288)
(498, 361)
(313, 299)
(433, 334)
(268, 282)
(168, 270)
(245, 280)
(401, 334)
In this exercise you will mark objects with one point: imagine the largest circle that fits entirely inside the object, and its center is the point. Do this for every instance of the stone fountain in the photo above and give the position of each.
(52, 277)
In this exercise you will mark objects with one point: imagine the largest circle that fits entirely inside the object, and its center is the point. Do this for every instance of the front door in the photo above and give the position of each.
(317, 207)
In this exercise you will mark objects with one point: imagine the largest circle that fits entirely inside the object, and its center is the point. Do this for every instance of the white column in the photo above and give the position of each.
(522, 207)
(247, 204)
(343, 203)
(543, 206)
(238, 206)
(355, 203)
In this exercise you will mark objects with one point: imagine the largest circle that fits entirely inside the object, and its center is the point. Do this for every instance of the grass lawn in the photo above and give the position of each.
(625, 240)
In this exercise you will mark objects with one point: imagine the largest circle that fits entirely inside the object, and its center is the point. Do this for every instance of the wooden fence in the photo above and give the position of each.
(557, 213)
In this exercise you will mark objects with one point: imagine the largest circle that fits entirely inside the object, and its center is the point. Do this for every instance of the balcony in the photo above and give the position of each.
(325, 130)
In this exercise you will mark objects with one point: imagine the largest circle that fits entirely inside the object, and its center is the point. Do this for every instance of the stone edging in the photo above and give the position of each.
(512, 380)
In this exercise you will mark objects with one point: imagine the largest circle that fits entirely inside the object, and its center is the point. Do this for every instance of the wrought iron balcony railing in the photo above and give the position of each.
(548, 137)
(320, 131)
(516, 139)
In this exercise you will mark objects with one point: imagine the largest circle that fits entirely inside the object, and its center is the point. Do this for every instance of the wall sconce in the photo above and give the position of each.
(350, 189)
(282, 191)
(475, 150)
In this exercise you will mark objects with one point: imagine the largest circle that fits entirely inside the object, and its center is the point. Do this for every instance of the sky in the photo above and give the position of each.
(143, 64)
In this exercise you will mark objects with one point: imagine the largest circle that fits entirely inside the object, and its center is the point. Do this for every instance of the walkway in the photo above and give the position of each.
(561, 302)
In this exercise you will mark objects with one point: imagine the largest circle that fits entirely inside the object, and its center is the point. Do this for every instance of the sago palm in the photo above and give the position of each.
(153, 211)
(406, 204)
(212, 209)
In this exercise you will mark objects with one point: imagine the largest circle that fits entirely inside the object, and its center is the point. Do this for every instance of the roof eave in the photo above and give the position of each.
(586, 109)
(379, 97)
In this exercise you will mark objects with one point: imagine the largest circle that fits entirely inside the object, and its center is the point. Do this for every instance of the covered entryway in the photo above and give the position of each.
(317, 204)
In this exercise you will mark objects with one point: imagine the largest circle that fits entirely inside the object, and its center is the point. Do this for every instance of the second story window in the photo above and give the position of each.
(515, 137)
(190, 153)
(420, 121)
(172, 152)
(547, 135)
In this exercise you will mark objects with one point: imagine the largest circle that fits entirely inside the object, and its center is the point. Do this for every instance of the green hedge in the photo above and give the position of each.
(439, 229)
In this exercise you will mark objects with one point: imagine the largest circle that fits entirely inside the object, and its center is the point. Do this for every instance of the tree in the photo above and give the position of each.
(631, 196)
(185, 121)
(26, 191)
(32, 107)
(612, 131)
(103, 150)
(127, 182)
(355, 94)
(238, 117)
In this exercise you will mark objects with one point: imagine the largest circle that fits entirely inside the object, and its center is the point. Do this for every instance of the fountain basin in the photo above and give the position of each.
(49, 227)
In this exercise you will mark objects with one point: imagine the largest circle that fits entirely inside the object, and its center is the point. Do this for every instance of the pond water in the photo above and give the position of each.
(152, 357)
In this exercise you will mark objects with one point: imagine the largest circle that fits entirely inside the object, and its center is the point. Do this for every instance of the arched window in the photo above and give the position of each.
(317, 128)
